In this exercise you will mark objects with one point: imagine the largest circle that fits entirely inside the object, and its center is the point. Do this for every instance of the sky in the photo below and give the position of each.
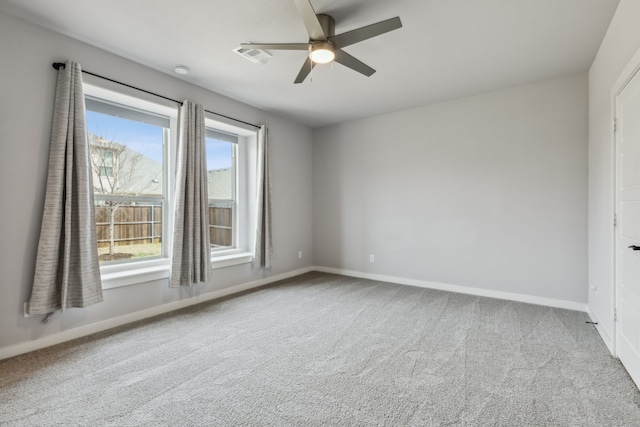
(147, 139)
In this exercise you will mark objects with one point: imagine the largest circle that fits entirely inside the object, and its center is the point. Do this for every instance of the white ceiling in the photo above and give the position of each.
(446, 48)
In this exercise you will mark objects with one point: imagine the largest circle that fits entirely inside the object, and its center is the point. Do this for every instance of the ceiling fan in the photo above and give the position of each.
(324, 45)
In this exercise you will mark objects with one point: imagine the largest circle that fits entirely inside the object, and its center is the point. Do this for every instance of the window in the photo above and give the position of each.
(132, 144)
(221, 174)
(230, 150)
(103, 161)
(128, 161)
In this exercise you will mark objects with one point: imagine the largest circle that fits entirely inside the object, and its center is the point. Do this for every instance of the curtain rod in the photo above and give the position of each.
(57, 66)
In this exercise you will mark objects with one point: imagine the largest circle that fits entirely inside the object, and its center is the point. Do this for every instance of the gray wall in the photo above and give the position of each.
(488, 192)
(27, 87)
(618, 46)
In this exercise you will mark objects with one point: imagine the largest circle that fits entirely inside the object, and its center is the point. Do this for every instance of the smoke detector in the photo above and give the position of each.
(257, 56)
(183, 70)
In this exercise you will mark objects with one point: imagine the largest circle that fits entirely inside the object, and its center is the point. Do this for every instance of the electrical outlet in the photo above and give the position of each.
(299, 254)
(372, 258)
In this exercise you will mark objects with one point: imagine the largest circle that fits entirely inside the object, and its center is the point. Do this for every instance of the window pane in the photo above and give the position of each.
(105, 171)
(221, 224)
(128, 229)
(221, 184)
(127, 157)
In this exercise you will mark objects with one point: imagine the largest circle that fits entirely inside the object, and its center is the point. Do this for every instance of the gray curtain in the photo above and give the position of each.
(67, 267)
(191, 257)
(264, 246)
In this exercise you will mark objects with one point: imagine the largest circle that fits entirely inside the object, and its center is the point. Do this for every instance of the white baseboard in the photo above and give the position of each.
(530, 299)
(608, 341)
(60, 337)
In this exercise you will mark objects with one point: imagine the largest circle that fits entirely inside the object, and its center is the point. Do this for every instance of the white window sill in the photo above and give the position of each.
(227, 260)
(115, 276)
(122, 276)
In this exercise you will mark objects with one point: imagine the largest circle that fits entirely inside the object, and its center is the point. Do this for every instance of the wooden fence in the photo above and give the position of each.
(221, 226)
(134, 225)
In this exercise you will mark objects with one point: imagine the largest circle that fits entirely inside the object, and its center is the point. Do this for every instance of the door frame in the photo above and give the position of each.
(628, 72)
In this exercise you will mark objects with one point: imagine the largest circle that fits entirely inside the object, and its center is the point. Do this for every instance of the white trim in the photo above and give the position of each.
(128, 97)
(232, 259)
(68, 335)
(229, 125)
(133, 273)
(625, 76)
(134, 276)
(147, 271)
(529, 299)
(243, 204)
(602, 331)
(628, 72)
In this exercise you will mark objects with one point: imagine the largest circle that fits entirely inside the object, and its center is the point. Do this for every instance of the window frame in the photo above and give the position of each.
(129, 272)
(104, 167)
(160, 199)
(244, 204)
(117, 274)
(234, 189)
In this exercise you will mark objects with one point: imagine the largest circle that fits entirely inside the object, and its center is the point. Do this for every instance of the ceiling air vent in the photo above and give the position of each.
(258, 56)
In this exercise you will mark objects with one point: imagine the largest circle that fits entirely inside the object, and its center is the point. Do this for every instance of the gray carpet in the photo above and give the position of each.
(321, 349)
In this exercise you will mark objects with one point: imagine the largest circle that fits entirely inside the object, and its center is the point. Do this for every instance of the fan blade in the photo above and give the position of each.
(305, 70)
(347, 60)
(276, 46)
(310, 20)
(364, 33)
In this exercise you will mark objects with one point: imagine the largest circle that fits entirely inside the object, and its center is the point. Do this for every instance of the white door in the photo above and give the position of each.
(628, 230)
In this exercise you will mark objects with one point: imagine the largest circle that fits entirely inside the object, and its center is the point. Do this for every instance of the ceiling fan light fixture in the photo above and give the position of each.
(322, 53)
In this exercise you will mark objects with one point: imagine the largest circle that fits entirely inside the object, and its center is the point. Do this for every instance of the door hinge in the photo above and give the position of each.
(615, 125)
(615, 314)
(615, 220)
